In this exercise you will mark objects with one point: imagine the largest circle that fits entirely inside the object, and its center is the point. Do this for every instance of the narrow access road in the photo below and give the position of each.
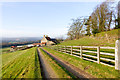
(46, 69)
(72, 69)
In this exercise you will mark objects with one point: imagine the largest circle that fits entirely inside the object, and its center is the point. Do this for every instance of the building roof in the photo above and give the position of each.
(43, 42)
(54, 40)
(48, 38)
(12, 46)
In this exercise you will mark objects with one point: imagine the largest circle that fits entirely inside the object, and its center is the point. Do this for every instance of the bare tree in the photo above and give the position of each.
(100, 20)
(75, 30)
(119, 14)
(102, 17)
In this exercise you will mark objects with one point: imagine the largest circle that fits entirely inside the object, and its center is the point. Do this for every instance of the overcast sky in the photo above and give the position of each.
(35, 19)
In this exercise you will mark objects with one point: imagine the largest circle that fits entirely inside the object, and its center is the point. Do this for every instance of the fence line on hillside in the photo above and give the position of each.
(93, 53)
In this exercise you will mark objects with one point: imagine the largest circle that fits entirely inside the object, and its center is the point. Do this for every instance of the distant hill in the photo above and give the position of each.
(21, 39)
(7, 42)
(101, 39)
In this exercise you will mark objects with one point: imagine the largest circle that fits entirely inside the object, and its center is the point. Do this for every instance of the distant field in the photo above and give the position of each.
(21, 64)
(5, 50)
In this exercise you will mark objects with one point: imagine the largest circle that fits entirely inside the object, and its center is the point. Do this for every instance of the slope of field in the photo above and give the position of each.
(101, 39)
(112, 33)
(21, 64)
(7, 57)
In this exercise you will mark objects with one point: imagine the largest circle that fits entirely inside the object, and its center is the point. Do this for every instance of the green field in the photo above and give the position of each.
(97, 70)
(21, 64)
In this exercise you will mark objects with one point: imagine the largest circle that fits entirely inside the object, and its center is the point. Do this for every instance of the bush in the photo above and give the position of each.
(95, 31)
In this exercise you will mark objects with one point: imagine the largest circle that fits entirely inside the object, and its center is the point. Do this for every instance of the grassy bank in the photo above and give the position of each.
(21, 64)
(101, 39)
(59, 70)
(97, 70)
(87, 42)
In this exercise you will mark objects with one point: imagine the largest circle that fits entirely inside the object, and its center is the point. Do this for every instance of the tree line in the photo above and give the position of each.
(103, 18)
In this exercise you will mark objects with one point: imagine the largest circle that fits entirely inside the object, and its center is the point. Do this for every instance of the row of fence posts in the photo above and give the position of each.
(98, 52)
(117, 53)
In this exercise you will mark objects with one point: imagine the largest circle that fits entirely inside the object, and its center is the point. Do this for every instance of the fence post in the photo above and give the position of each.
(57, 47)
(71, 50)
(61, 48)
(80, 51)
(117, 55)
(65, 49)
(98, 54)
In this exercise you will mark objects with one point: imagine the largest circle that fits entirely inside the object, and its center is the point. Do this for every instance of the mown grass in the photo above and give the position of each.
(59, 70)
(7, 57)
(21, 64)
(97, 70)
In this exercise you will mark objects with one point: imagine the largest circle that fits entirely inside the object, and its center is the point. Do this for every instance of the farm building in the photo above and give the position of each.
(48, 41)
(30, 45)
(14, 48)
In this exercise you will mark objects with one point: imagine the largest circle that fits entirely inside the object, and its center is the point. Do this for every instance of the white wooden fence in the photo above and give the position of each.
(94, 53)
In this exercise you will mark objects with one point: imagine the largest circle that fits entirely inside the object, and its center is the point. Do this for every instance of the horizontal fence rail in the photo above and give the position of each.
(85, 52)
(109, 56)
